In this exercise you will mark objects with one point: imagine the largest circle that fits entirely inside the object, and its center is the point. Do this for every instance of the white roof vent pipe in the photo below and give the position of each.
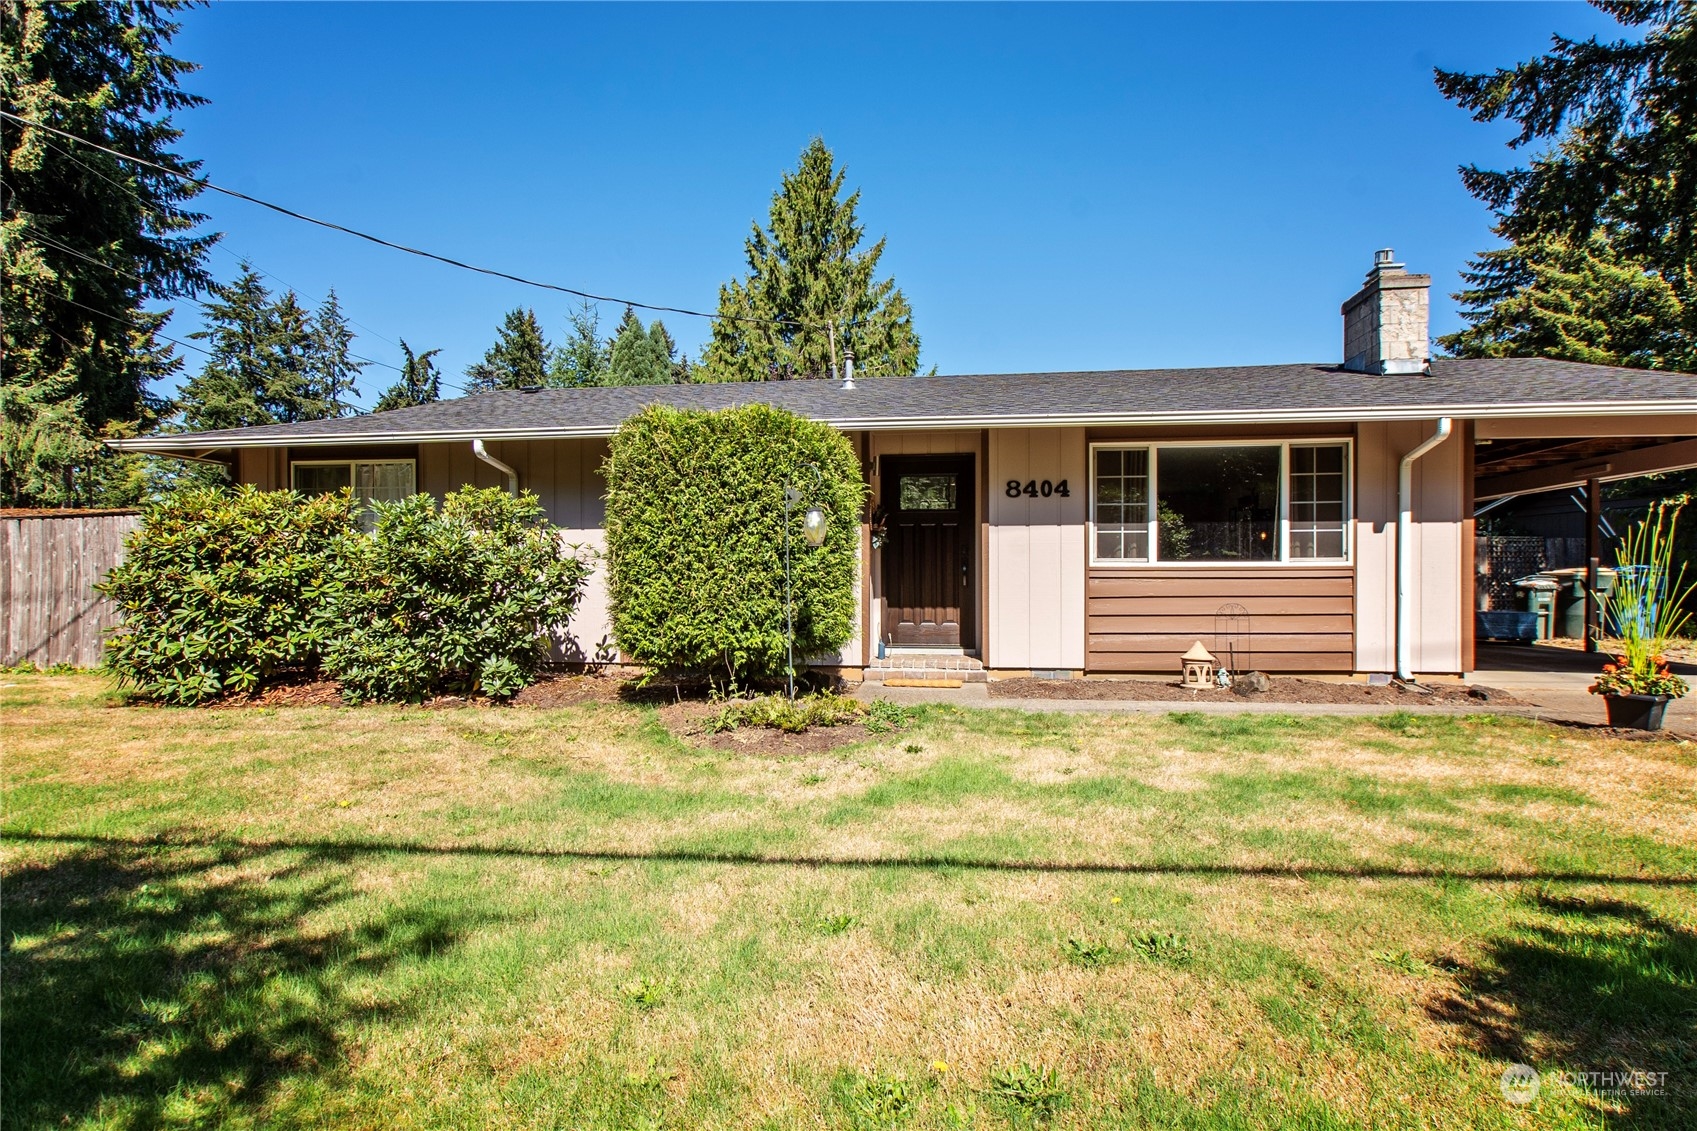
(848, 369)
(482, 453)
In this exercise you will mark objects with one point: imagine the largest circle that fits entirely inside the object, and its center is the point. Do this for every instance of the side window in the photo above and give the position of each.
(1319, 502)
(1120, 501)
(320, 478)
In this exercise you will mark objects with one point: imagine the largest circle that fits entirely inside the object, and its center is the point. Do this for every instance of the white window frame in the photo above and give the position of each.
(1284, 560)
(350, 464)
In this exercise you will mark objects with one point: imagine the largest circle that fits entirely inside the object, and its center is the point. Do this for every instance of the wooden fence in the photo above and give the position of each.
(49, 563)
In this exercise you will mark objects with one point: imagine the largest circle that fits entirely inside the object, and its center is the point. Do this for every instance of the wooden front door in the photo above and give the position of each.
(927, 557)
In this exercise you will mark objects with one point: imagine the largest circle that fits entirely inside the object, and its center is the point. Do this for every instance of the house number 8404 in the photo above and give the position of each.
(1034, 488)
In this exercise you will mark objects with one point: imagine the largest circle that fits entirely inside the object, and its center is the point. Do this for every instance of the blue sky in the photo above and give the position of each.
(1062, 187)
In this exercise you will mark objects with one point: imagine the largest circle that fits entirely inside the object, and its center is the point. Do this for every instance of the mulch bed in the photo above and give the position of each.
(687, 719)
(1284, 689)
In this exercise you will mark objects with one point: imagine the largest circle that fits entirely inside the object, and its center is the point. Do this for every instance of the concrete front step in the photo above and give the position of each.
(968, 669)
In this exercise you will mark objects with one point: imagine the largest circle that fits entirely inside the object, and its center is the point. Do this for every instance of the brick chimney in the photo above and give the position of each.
(1385, 322)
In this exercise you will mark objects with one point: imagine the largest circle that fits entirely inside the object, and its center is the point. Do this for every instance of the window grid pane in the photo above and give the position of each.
(1317, 508)
(1122, 504)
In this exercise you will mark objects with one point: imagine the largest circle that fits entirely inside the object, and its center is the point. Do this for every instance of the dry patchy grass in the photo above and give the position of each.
(394, 917)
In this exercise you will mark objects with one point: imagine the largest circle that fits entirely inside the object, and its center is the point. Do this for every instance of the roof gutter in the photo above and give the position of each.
(1405, 549)
(164, 444)
(482, 453)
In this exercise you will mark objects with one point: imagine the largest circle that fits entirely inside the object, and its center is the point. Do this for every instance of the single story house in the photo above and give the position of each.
(1310, 517)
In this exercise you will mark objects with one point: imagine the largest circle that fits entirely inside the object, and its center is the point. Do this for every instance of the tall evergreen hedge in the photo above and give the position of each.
(695, 539)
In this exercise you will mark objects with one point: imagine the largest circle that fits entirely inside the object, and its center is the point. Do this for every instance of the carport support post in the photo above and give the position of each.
(1593, 552)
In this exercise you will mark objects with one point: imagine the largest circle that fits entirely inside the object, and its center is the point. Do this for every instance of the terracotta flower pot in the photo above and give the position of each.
(1637, 712)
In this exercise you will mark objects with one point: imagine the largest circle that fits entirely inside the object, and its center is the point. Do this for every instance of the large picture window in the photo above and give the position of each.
(373, 481)
(1219, 504)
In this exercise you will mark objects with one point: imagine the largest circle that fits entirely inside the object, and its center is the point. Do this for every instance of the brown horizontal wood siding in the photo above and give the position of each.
(1300, 619)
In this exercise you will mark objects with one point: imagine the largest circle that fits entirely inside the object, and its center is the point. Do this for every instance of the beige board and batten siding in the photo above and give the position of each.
(49, 565)
(1037, 550)
(1441, 593)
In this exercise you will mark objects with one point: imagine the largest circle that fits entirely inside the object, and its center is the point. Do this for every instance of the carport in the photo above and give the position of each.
(1516, 457)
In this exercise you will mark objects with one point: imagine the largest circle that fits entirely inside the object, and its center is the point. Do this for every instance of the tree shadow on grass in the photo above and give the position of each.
(1590, 985)
(189, 986)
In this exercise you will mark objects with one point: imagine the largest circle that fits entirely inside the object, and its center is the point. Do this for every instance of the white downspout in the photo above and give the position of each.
(482, 453)
(1405, 548)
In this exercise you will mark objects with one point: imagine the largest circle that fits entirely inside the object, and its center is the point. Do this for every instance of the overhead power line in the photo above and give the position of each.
(219, 245)
(380, 241)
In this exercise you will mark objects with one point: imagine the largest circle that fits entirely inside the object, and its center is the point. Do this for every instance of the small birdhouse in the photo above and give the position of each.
(1198, 667)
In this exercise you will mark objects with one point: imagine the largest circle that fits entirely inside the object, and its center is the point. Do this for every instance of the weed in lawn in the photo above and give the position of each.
(874, 1100)
(883, 716)
(835, 924)
(913, 748)
(644, 993)
(1026, 1093)
(1402, 962)
(1088, 953)
(1163, 946)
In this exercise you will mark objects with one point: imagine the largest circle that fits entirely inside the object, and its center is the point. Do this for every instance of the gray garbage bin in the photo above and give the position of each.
(1569, 617)
(1538, 597)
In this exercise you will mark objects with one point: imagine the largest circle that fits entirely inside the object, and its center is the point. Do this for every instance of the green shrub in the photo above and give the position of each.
(459, 599)
(220, 589)
(695, 539)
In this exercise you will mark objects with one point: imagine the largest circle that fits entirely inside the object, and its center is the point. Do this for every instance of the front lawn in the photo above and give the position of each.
(391, 917)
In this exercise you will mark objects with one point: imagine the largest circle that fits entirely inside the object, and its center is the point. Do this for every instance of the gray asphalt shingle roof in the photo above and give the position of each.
(1283, 393)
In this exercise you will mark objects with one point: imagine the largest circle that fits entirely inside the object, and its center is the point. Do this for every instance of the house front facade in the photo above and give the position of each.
(1309, 517)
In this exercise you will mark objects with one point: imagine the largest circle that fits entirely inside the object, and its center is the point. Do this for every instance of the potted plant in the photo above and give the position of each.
(1646, 606)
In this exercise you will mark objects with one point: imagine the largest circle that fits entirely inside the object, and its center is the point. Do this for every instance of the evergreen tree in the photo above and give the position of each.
(1581, 302)
(331, 367)
(43, 441)
(806, 272)
(86, 239)
(271, 361)
(420, 383)
(640, 355)
(582, 359)
(1605, 215)
(519, 358)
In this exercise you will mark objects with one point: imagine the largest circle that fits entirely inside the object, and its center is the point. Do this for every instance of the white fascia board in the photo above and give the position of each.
(1349, 415)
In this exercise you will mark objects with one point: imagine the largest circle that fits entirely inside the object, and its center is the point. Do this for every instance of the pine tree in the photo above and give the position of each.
(331, 366)
(640, 355)
(420, 383)
(271, 361)
(1572, 302)
(582, 358)
(806, 273)
(87, 239)
(1607, 214)
(519, 358)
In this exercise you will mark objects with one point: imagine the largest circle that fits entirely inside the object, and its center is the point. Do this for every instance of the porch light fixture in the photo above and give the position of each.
(813, 528)
(1198, 668)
